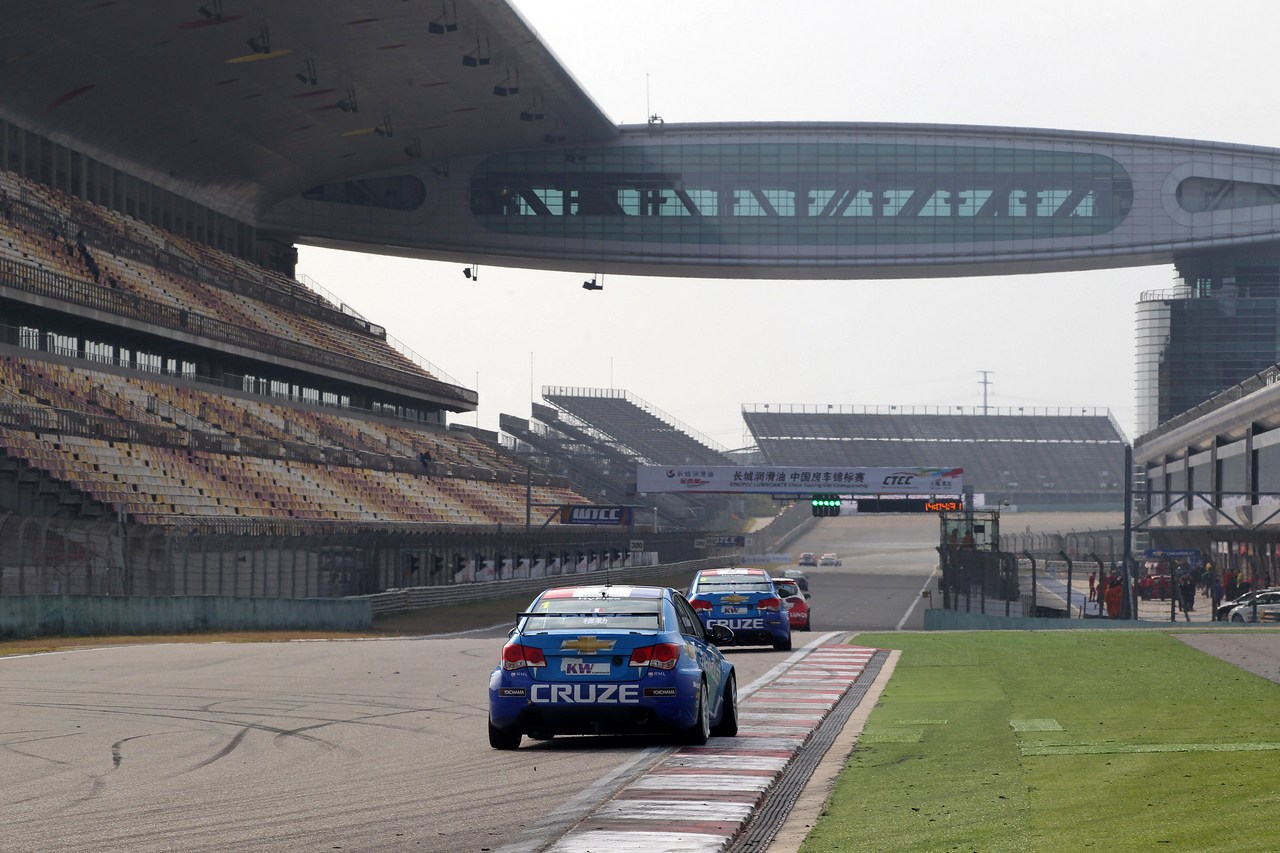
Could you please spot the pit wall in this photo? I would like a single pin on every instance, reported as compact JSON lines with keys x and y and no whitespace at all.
{"x":94,"y":615}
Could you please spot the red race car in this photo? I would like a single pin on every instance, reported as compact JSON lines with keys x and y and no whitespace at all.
{"x":797,"y":603}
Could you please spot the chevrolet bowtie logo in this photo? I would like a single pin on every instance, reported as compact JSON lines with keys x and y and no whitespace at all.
{"x":587,"y":645}
{"x":733,"y":598}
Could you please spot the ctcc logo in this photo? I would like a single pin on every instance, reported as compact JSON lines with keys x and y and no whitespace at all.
{"x":901,"y":478}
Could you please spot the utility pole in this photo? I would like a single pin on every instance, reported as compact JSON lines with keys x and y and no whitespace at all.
{"x":985,"y":383}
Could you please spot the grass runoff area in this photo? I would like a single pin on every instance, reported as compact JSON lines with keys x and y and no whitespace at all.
{"x":1072,"y":740}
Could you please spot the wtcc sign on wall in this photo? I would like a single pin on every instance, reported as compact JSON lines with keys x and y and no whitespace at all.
{"x":723,"y":479}
{"x":618,"y":516}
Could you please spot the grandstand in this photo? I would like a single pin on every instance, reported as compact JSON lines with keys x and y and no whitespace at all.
{"x":595,"y":438}
{"x":630,"y":422}
{"x":151,"y":380}
{"x":1050,"y":458}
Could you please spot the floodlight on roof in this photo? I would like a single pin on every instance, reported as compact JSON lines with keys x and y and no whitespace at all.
{"x":261,"y":43}
{"x":593,"y":283}
{"x":446,"y":22}
{"x":385,"y":128}
{"x":414,"y":149}
{"x":211,"y":11}
{"x":507,"y":87}
{"x":308,"y":75}
{"x":349,"y":104}
{"x":555,"y":135}
{"x":477,"y":57}
{"x":472,"y":272}
{"x":534,"y":112}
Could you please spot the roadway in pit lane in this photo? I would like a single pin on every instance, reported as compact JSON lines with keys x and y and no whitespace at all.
{"x":352,"y":745}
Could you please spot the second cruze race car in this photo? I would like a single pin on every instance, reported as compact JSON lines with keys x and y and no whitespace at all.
{"x":745,"y":602}
{"x":612,"y":660}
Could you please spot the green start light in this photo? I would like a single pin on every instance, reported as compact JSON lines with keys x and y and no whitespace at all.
{"x":825,"y":506}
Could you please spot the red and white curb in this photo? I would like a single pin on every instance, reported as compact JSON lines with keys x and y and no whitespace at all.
{"x":699,"y":797}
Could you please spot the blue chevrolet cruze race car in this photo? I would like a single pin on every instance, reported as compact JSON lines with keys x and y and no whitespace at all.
{"x":746,"y":602}
{"x":612,"y":660}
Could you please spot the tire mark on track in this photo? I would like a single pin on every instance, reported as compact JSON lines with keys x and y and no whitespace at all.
{"x":226,"y":750}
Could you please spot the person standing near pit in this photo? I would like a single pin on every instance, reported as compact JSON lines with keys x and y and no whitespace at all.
{"x":1114,"y":598}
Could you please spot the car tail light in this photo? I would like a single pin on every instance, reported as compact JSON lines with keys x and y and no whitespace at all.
{"x":699,"y":604}
{"x":769,"y":604}
{"x":516,"y":656}
{"x":661,"y":656}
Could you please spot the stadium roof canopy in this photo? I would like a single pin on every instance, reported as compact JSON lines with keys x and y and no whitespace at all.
{"x":241,"y":103}
{"x":446,"y":129}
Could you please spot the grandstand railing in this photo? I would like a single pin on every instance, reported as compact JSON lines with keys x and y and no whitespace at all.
{"x":30,"y":279}
{"x":858,"y":409}
{"x":396,"y":344}
{"x":11,"y":334}
{"x":43,"y":419}
{"x":1240,"y":390}
{"x":620,"y":394}
{"x":100,"y":233}
{"x":1166,"y":294}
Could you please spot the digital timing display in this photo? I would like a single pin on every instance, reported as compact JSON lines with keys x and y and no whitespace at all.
{"x":910,"y":505}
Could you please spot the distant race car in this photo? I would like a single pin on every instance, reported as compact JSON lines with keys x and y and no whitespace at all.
{"x":807,"y":559}
{"x":799,"y":613}
{"x":799,"y":577}
{"x":830,"y":560}
{"x":612,"y":660}
{"x":745,"y":602}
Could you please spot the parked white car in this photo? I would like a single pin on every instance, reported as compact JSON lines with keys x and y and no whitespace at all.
{"x":1267,"y":601}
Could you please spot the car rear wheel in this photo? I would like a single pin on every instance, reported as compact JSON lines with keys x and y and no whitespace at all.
{"x":782,"y":645}
{"x":728,"y":725}
{"x":503,"y":738}
{"x":700,"y":731}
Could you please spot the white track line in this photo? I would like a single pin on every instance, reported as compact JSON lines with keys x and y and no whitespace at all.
{"x":912,"y":608}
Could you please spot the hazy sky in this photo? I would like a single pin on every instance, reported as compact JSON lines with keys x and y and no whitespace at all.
{"x":1173,"y":68}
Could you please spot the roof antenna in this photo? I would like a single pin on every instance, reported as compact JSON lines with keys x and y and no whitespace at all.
{"x":654,"y":118}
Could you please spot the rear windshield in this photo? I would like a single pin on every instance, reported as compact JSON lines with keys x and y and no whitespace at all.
{"x":732,"y":584}
{"x":787,"y":590}
{"x":574,"y":614}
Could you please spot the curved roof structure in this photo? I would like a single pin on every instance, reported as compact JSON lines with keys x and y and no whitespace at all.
{"x":445,"y":129}
{"x":240,"y":104}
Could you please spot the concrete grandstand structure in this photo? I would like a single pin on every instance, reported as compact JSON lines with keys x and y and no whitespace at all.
{"x":149,"y":381}
{"x":1034,"y":459}
{"x":595,"y":438}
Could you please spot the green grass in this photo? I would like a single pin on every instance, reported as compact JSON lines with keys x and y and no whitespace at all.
{"x":1090,"y":741}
